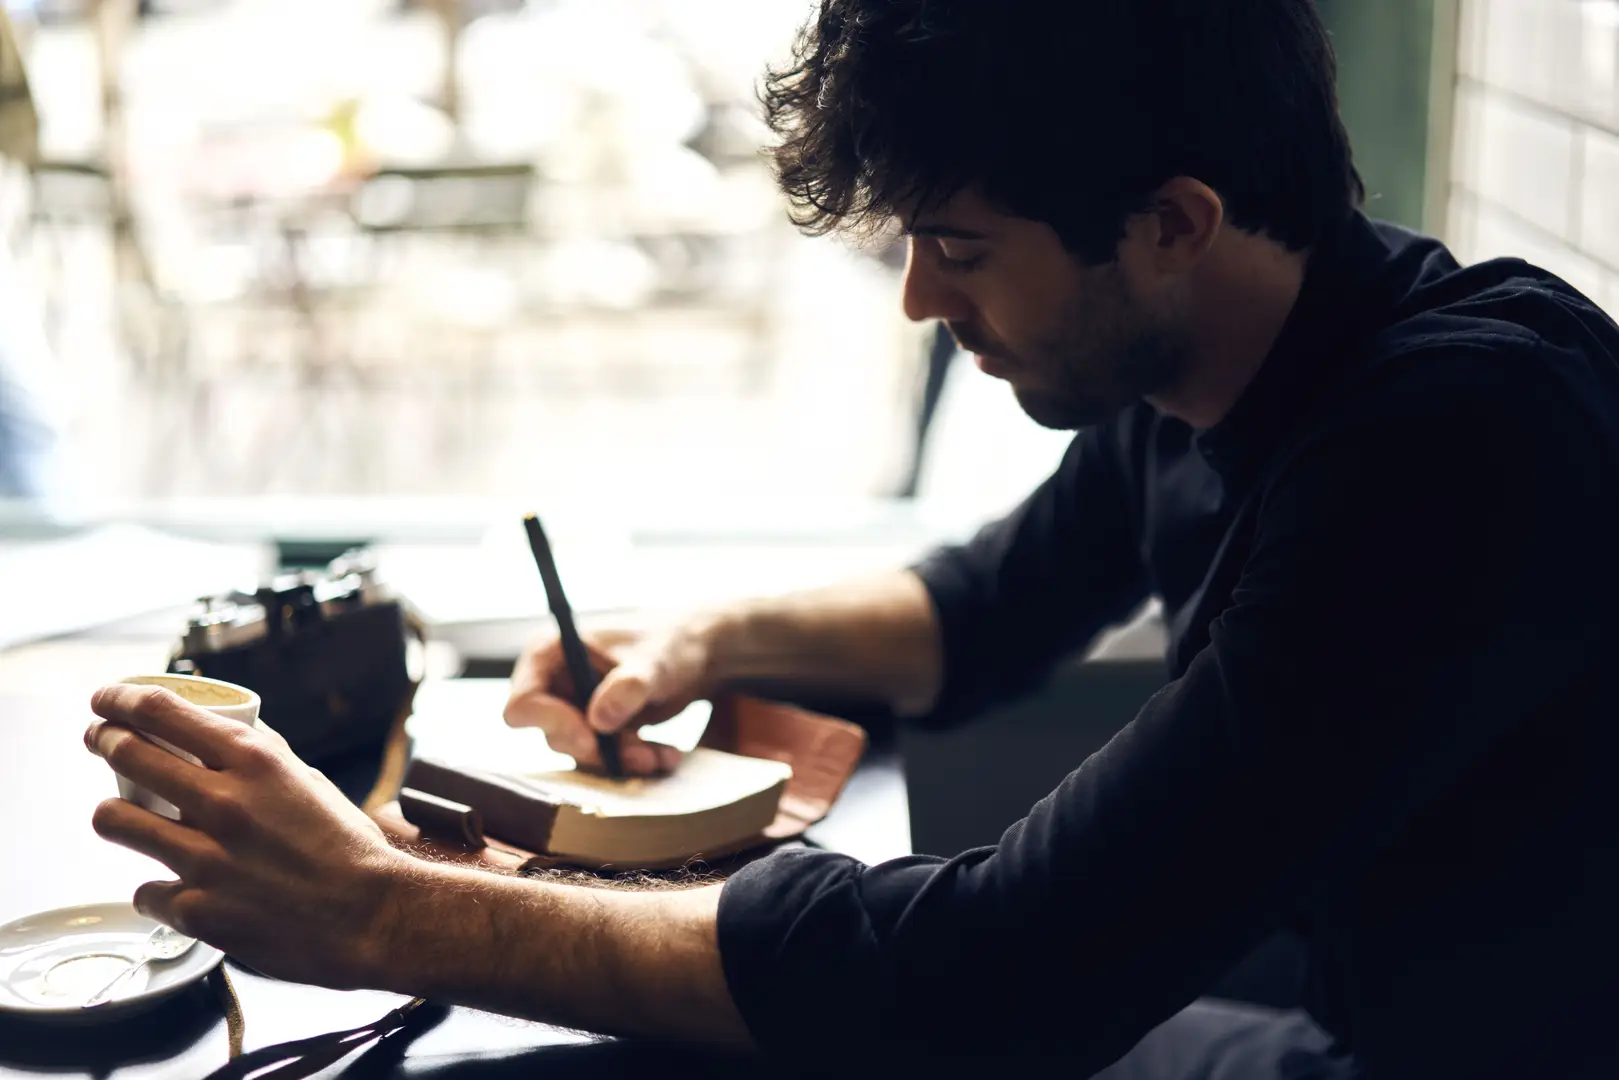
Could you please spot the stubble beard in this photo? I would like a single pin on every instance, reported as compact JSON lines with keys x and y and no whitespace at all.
{"x":1106,"y":357}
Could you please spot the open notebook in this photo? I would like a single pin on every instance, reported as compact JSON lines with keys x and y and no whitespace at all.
{"x":763,"y":772}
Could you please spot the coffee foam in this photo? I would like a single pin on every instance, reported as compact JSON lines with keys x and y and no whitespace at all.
{"x":198,"y":693}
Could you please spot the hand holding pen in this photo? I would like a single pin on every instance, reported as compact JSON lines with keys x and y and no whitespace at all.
{"x":580,"y":670}
{"x":639,"y":679}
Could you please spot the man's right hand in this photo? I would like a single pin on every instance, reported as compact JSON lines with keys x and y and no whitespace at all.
{"x":647,"y":677}
{"x":871,"y":639}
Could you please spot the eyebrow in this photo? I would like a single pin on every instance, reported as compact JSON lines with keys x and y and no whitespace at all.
{"x":943,"y":232}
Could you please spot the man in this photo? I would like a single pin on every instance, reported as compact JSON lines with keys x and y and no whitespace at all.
{"x":1377,"y":494}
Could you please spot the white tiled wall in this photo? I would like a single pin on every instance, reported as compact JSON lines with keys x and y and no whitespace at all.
{"x":1535,"y":164}
{"x":1599,"y":215}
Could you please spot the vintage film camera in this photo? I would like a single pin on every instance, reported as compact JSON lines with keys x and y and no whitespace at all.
{"x":334,"y":656}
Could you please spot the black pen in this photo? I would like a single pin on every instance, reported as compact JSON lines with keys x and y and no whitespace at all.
{"x":574,"y":653}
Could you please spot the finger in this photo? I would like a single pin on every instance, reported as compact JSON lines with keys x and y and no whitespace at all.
{"x":639,"y":757}
{"x":669,"y":757}
{"x":136,"y":758}
{"x":656,"y":712}
{"x":540,"y":708}
{"x":633,"y":695}
{"x":566,"y":733}
{"x":636,"y":756}
{"x":158,"y":900}
{"x":535,"y":664}
{"x":278,"y":743}
{"x":179,"y":848}
{"x":218,"y":742}
{"x":564,"y":725}
{"x":624,"y":692}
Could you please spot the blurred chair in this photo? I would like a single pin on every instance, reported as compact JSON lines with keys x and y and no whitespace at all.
{"x":941,"y":353}
{"x":966,"y":785}
{"x":459,"y":196}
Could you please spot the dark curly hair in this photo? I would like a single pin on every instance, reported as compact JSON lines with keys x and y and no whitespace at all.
{"x":1071,"y":112}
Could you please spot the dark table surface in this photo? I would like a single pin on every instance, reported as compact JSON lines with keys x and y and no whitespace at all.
{"x":50,"y":857}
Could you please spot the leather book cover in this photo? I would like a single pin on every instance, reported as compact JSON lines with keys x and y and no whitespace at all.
{"x":510,"y":810}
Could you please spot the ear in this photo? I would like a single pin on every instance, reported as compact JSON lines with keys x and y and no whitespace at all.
{"x":1179,"y":225}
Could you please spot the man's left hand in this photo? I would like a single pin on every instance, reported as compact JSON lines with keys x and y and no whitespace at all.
{"x":275,"y":865}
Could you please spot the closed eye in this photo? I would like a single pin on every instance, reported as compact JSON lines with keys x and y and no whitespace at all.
{"x":961,"y":266}
{"x":961,"y":263}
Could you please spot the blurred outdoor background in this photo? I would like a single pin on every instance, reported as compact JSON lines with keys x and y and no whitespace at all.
{"x":331,"y":247}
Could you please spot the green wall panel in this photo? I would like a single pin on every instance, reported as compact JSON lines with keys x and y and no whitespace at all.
{"x":1386,"y":59}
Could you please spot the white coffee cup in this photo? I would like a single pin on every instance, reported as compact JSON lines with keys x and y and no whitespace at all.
{"x":220,"y":698}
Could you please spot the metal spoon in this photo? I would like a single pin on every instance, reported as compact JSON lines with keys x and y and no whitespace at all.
{"x":164,"y":943}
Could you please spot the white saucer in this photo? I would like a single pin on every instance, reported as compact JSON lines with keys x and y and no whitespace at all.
{"x":50,"y":963}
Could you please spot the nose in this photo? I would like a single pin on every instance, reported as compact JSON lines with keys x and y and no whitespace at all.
{"x":927,"y":294}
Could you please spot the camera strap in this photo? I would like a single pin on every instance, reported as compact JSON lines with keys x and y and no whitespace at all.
{"x":391,"y":1033}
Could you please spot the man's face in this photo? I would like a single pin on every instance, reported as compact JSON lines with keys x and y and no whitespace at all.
{"x":1077,"y":343}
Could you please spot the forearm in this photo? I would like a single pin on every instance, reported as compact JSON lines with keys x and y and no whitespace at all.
{"x":873,"y":639}
{"x":616,"y":962}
